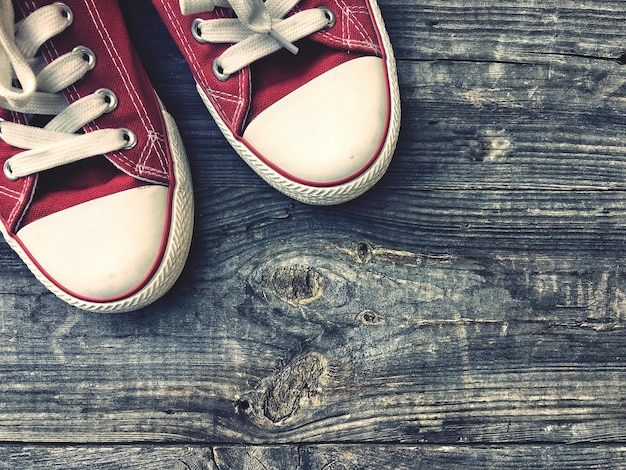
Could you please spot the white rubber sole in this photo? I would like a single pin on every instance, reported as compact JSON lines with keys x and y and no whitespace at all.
{"x":337,"y":194}
{"x":175,"y":252}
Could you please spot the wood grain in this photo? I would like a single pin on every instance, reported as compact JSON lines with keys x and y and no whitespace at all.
{"x":366,"y":344}
{"x":468,"y":312}
{"x":318,"y":457}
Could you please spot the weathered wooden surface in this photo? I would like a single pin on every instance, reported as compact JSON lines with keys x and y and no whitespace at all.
{"x":314,"y":457}
{"x":468,"y":312}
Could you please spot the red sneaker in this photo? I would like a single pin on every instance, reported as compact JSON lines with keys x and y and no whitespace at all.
{"x":96,"y":193}
{"x":320,"y":126}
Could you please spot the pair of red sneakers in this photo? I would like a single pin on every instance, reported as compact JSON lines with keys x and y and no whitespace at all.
{"x":96,"y":193}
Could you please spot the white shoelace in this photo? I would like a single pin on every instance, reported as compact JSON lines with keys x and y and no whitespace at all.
{"x":258,"y":30}
{"x":38,"y":93}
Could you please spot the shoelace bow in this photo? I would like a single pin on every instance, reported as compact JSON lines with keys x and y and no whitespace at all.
{"x":40,"y":84}
{"x":257,"y":31}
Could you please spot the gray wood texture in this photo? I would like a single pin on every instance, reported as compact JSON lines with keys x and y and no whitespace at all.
{"x":468,"y":312}
{"x":313,"y":457}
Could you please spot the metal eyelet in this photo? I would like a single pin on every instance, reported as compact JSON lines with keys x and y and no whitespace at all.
{"x":218,"y":71}
{"x":65,"y":11}
{"x":109,"y":98}
{"x":330,"y":16}
{"x":8,"y":172}
{"x":130,"y":137}
{"x":195,"y":31}
{"x":88,"y":55}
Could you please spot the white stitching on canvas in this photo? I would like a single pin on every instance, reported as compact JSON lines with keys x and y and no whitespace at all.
{"x":154,"y":139}
{"x":10,"y":193}
{"x":19,"y":196}
{"x":133,"y":93}
{"x":349,"y":17}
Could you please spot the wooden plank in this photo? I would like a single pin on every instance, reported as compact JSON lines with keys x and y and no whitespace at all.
{"x":506,"y":31}
{"x":106,"y":457}
{"x":342,"y":457}
{"x":511,"y":126}
{"x":464,"y":222}
{"x":328,"y":340}
{"x":462,"y":457}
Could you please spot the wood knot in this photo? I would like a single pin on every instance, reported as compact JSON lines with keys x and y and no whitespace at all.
{"x":364,"y":252}
{"x":297,"y":284}
{"x":369,"y":317}
{"x":294,"y":386}
{"x":243,"y":406}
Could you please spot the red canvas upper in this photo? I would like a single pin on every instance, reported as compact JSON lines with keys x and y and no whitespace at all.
{"x":99,"y":26}
{"x":248,"y":92}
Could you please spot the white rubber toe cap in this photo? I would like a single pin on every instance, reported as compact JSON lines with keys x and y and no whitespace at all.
{"x":330,"y":128}
{"x":103,"y":248}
